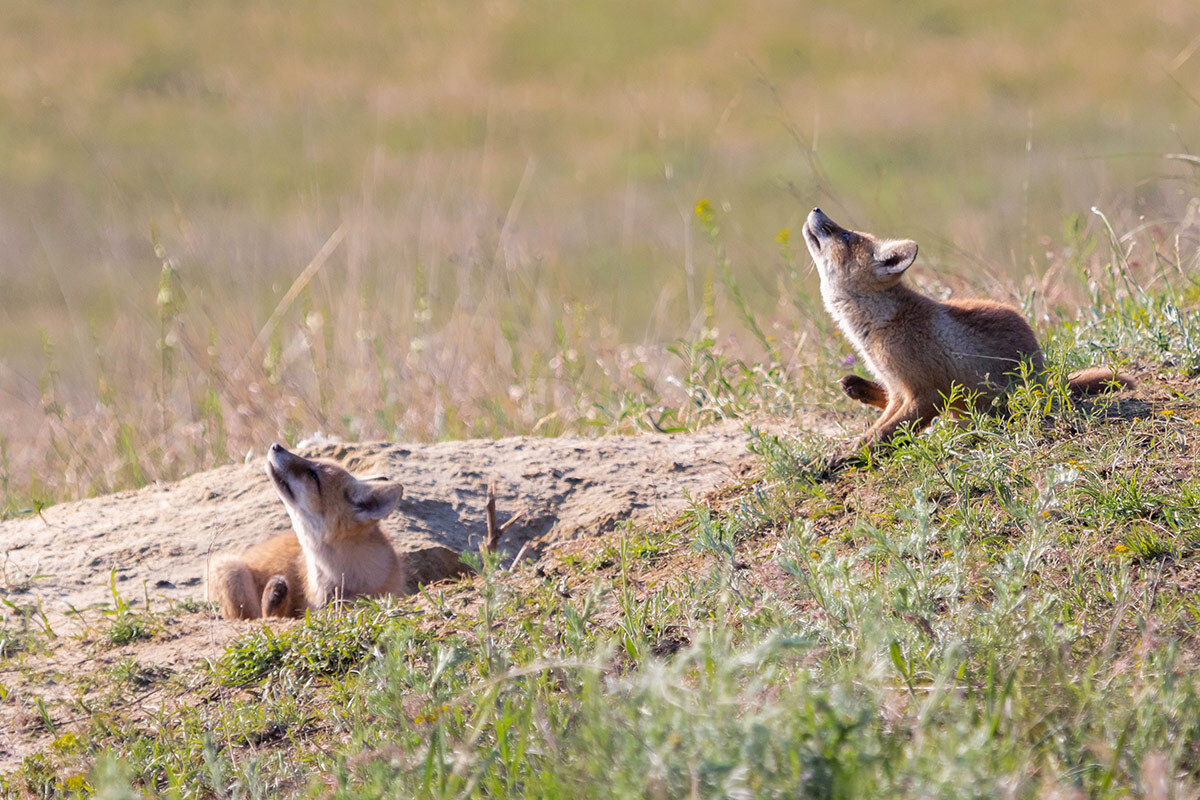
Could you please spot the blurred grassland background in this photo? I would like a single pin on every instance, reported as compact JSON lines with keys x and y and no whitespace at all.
{"x":510,"y":188}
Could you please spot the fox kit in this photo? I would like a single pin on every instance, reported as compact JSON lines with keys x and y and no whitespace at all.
{"x":336,"y":549}
{"x":917,"y":347}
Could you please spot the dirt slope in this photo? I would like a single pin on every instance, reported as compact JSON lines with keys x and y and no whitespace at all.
{"x":157,"y":539}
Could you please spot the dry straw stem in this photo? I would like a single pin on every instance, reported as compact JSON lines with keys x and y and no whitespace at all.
{"x":290,"y":296}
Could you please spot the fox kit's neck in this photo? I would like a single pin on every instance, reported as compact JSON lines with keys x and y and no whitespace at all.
{"x":340,"y":562}
{"x":862,"y":315}
{"x":859,"y":314}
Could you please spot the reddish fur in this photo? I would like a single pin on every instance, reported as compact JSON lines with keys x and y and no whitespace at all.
{"x":920,"y":348}
{"x":1095,"y":380}
{"x":340,"y":551}
{"x":238,"y":582}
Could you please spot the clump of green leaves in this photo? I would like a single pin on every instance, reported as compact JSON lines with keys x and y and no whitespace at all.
{"x":125,"y":625}
{"x":326,"y":644}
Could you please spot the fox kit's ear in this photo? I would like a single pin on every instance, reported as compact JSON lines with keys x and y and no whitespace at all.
{"x":895,"y":256}
{"x":374,"y":500}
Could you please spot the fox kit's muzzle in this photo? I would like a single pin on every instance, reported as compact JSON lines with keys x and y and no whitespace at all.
{"x":283,"y":467}
{"x":818,"y":227}
{"x":281,"y":459}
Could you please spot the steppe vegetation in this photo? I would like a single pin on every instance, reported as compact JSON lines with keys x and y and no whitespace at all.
{"x":1006,"y":608}
{"x":557,"y":218}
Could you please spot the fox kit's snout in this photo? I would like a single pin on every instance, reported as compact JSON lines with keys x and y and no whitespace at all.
{"x":919,"y":348}
{"x":855,"y":262}
{"x":335,"y":550}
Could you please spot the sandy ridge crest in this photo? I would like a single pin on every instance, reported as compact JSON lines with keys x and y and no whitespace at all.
{"x":157,"y":539}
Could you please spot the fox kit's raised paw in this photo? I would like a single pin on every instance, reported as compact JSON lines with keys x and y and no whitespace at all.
{"x":275,"y":597}
{"x":864,"y":391}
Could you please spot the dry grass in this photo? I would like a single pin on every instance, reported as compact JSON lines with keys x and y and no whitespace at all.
{"x":516,"y":187}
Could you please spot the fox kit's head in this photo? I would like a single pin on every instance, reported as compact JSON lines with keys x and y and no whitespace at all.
{"x":854,"y":262}
{"x":327,"y":503}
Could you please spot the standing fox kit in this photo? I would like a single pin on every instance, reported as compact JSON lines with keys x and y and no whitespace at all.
{"x":336,"y":549}
{"x":919,"y":348}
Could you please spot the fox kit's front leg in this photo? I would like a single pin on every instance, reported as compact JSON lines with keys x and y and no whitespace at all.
{"x":870,"y":393}
{"x":262,"y":582}
{"x":901,"y":411}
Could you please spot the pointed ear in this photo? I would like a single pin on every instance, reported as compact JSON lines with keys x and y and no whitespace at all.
{"x":894,"y":256}
{"x":372,"y":501}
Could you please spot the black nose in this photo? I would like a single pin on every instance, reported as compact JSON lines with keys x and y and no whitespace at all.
{"x":276,"y":448}
{"x":816,"y":211}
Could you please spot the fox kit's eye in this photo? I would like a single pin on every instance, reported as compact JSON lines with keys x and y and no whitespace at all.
{"x":846,"y":237}
{"x":312,"y":473}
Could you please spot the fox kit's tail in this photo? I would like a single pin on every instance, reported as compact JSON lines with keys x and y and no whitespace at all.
{"x":1095,"y":380}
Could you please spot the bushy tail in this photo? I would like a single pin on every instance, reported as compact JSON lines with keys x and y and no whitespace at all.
{"x":1095,"y":380}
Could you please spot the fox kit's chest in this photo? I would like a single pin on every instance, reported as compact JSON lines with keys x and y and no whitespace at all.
{"x":864,"y":320}
{"x":349,"y":571}
{"x":341,"y":568}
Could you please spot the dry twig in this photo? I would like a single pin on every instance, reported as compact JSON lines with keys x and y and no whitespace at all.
{"x":494,"y":530}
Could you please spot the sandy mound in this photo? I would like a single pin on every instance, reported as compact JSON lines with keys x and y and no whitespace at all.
{"x":157,"y":539}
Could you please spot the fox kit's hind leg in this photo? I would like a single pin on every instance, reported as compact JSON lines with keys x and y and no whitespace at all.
{"x":865,"y":391}
{"x":231,"y":586}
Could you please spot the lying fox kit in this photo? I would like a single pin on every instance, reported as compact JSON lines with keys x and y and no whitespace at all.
{"x":336,"y":549}
{"x":919,"y":348}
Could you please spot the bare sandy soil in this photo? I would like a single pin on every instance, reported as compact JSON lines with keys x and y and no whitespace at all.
{"x":152,"y":544}
{"x":157,"y":540}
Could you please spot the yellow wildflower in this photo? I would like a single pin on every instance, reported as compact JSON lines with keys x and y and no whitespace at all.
{"x":76,"y":783}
